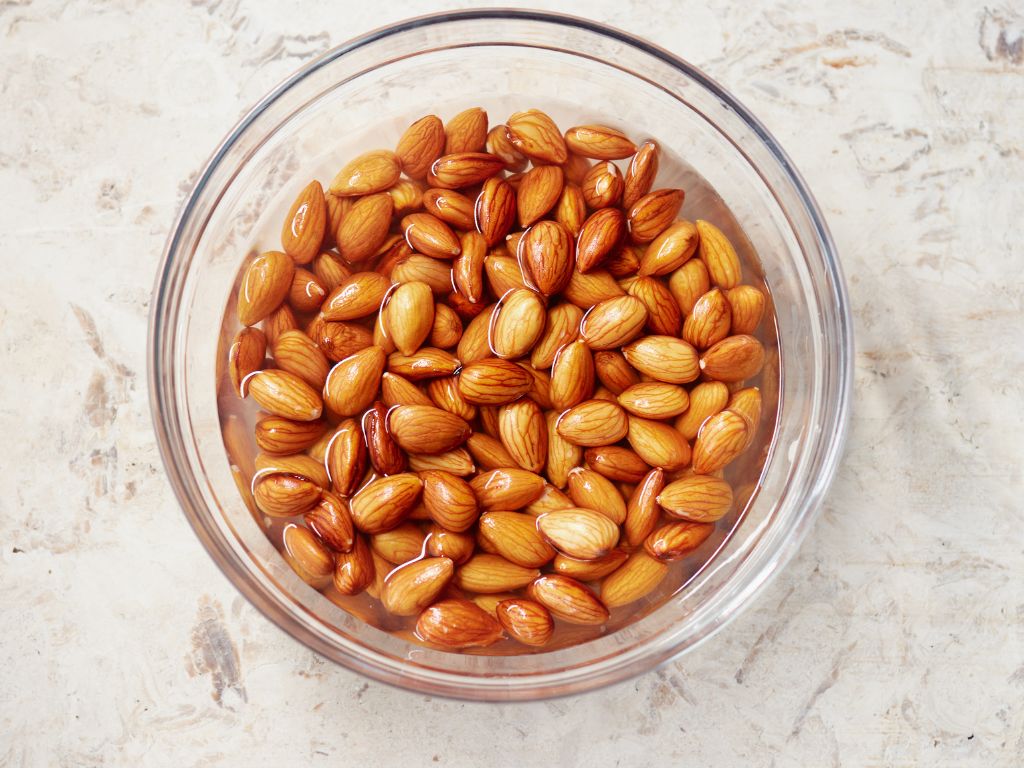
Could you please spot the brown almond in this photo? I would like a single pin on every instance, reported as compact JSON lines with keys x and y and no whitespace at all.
{"x":747,"y":402}
{"x":406,"y":196}
{"x":563,"y":456}
{"x":331,"y":521}
{"x":339,"y":340}
{"x":425,"y":429}
{"x":382,"y":504}
{"x":298,"y":464}
{"x":474,"y":346}
{"x":624,"y":262}
{"x":517,"y":324}
{"x":503,"y":274}
{"x":614,"y":372}
{"x":418,"y":268}
{"x":464,"y":169}
{"x":538,"y":192}
{"x":488,"y":452}
{"x":672,"y":248}
{"x":592,"y":288}
{"x":575,"y":168}
{"x":296,"y":353}
{"x":568,"y":599}
{"x":664,"y":317}
{"x":706,"y":399}
{"x":658,"y":444}
{"x":514,"y":536}
{"x":246,"y":357}
{"x":572,"y":376}
{"x":457,"y":547}
{"x":359,"y":296}
{"x":507,"y":488}
{"x":734,"y":358}
{"x":444,"y":393}
{"x":561,"y":327}
{"x":449,"y":500}
{"x":369,"y":173}
{"x":599,"y":142}
{"x":613,"y":322}
{"x":498,"y":143}
{"x":653,"y":213}
{"x":600,"y":235}
{"x":410,"y":588}
{"x":307,"y":555}
{"x":527,"y":621}
{"x":451,"y":207}
{"x":547,"y":256}
{"x":663,"y":358}
{"x":535,"y":135}
{"x":602,"y":186}
{"x":571,"y":209}
{"x":579,"y":533}
{"x":495,"y":210}
{"x":674,"y":541}
{"x":265,"y":285}
{"x":385,"y":455}
{"x":457,"y":461}
{"x":589,"y":570}
{"x":655,"y":400}
{"x":398,"y":390}
{"x":637,"y":578}
{"x":352,"y":384}
{"x":697,"y":498}
{"x":488,"y":573}
{"x":640,"y":175}
{"x":549,"y":500}
{"x":284,"y":495}
{"x":468,"y":269}
{"x":427,"y":234}
{"x":354,"y":570}
{"x":747,"y":304}
{"x":710,"y":320}
{"x":421,"y":144}
{"x":642,"y":511}
{"x":345,"y":457}
{"x":277,"y":322}
{"x":492,"y":381}
{"x":721,"y":439}
{"x":617,"y":463}
{"x":523,"y":432}
{"x":284,"y":436}
{"x":719,"y":256}
{"x":689,"y":283}
{"x":330,"y":271}
{"x":408,"y":316}
{"x":425,"y":363}
{"x":306,"y":293}
{"x":591,"y":490}
{"x":457,"y":624}
{"x":365,"y":228}
{"x":336,"y":208}
{"x":593,"y":423}
{"x":284,"y":394}
{"x":303,"y":230}
{"x":466,"y":132}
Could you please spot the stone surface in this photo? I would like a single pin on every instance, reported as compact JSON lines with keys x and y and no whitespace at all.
{"x":895,"y":638}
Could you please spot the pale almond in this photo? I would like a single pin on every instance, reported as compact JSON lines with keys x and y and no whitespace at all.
{"x":523,"y":432}
{"x":664,"y":358}
{"x":488,"y":452}
{"x":721,"y":439}
{"x":709,"y":321}
{"x":593,"y":423}
{"x":425,"y":429}
{"x":284,"y":495}
{"x":561,"y":327}
{"x":614,"y":372}
{"x":410,"y":588}
{"x":458,"y":547}
{"x":306,"y":293}
{"x":498,"y":143}
{"x":275,"y":434}
{"x":456,"y":461}
{"x":503,"y":273}
{"x":591,"y":490}
{"x":515,"y":537}
{"x":427,"y":234}
{"x":563,"y":456}
{"x":359,"y":296}
{"x":613,"y":322}
{"x":385,"y":502}
{"x":664,"y":317}
{"x":579,"y":533}
{"x":517,"y":323}
{"x":527,"y":621}
{"x":446,"y":329}
{"x":697,"y":498}
{"x":538,"y":192}
{"x":421,"y":144}
{"x":616,"y":463}
{"x":640,"y":174}
{"x":568,"y":599}
{"x":672,"y":248}
{"x":507,"y":488}
{"x":674,"y":541}
{"x":734,"y":358}
{"x":602,"y":186}
{"x":489,"y":573}
{"x":466,"y":132}
{"x":424,"y":269}
{"x":589,"y":570}
{"x":399,"y":545}
{"x":653,"y":213}
{"x":547,"y":256}
{"x":465,"y":169}
{"x":339,"y":340}
{"x":637,"y":578}
{"x":451,"y":207}
{"x":572,"y":375}
{"x":354,"y":570}
{"x":719,"y":256}
{"x":571,"y":210}
{"x":246,"y":357}
{"x":706,"y":399}
{"x":658,"y":444}
{"x":444,"y":393}
{"x":747,"y":304}
{"x":425,"y":363}
{"x":408,"y":316}
{"x":397,"y":390}
{"x":655,"y":400}
{"x":642,"y":512}
{"x":369,"y":173}
{"x":352,"y":384}
{"x":284,"y":394}
{"x":345,"y":457}
{"x":586,"y":290}
{"x":265,"y":285}
{"x":304,"y":226}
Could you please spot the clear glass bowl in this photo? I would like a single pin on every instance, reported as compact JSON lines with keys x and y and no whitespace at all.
{"x":361,"y":95}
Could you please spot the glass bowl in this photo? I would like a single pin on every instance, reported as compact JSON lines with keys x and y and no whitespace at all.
{"x":361,"y":95}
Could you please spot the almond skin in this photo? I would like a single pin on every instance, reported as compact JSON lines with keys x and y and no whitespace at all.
{"x":734,"y":358}
{"x":369,"y":173}
{"x":410,"y":588}
{"x":409,"y":316}
{"x":449,"y":500}
{"x":589,"y":570}
{"x":562,"y":326}
{"x":490,"y":573}
{"x":719,"y":256}
{"x":710,"y":320}
{"x":655,"y":400}
{"x":354,"y":570}
{"x":535,"y":135}
{"x":466,"y":132}
{"x":425,"y":429}
{"x":614,"y":372}
{"x":571,"y":210}
{"x":451,"y":207}
{"x":637,"y":578}
{"x":425,"y":363}
{"x":345,"y":458}
{"x":284,"y":495}
{"x":587,"y":290}
{"x":697,"y":498}
{"x":602,"y":186}
{"x":399,"y":545}
{"x":457,"y":624}
{"x":538,"y":192}
{"x":613,"y":322}
{"x":517,"y":324}
{"x":332,"y":522}
{"x":640,"y":175}
{"x":384,"y":503}
{"x":335,"y":208}
{"x":706,"y":399}
{"x":591,"y":490}
{"x":493,"y":381}
{"x":498,"y":143}
{"x":303,"y":230}
{"x":658,"y":444}
{"x":663,"y":358}
{"x":689,"y":283}
{"x":515,"y":537}
{"x":427,"y":234}
{"x":642,"y":511}
{"x":593,"y":423}
{"x":599,"y":142}
{"x":352,"y":384}
{"x":675,"y":541}
{"x":616,"y":463}
{"x":579,"y":533}
{"x":527,"y":621}
{"x":359,"y":296}
{"x":523,"y":432}
{"x":563,"y":456}
{"x":747,"y":304}
{"x":599,"y":236}
{"x":488,"y":452}
{"x":507,"y":488}
{"x":568,"y":599}
{"x":547,"y":255}
{"x":465,"y":169}
{"x":664,"y":317}
{"x":672,"y":248}
{"x":265,"y":285}
{"x":721,"y":439}
{"x":284,"y":394}
{"x":284,"y":436}
{"x":246,"y":357}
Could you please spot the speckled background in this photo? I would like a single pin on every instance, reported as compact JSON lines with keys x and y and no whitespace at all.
{"x":895,"y":638}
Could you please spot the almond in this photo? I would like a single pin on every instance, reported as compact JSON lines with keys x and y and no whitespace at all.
{"x":616,"y":463}
{"x":589,"y":570}
{"x":365,"y":228}
{"x":409,"y":316}
{"x":522,"y":430}
{"x":468,"y":270}
{"x":734,"y":358}
{"x":747,"y":304}
{"x":406,"y":196}
{"x":352,"y":384}
{"x":747,"y":403}
{"x":425,"y":429}
{"x":689,"y":283}
{"x":568,"y":599}
{"x":449,"y":500}
{"x":336,"y":209}
{"x":284,"y":394}
{"x":466,"y":132}
{"x":663,"y":314}
{"x":458,"y":547}
{"x":457,"y":461}
{"x":306,"y":293}
{"x":398,"y":390}
{"x":307,"y":555}
{"x":332,"y":522}
{"x":590,"y":490}
{"x":296,"y":353}
{"x":640,"y":175}
{"x":706,"y":399}
{"x":465,"y":169}
{"x":330,"y":271}
{"x":488,"y":452}
{"x":642,"y":512}
{"x":354,"y":570}
{"x":658,"y":444}
{"x":444,"y":393}
{"x":303,"y":230}
{"x":284,"y":495}
{"x":383,"y":503}
{"x":503,"y":274}
{"x":451,"y":207}
{"x":709,"y":321}
{"x":614,"y":372}
{"x":563,"y":456}
{"x":425,"y":363}
{"x":246,"y":357}
{"x":599,"y":142}
{"x":385,"y":455}
{"x":495,"y":210}
{"x":369,"y":173}
{"x":637,"y":578}
{"x":547,"y":256}
{"x":359,"y":296}
{"x":613,"y":322}
{"x":549,"y":500}
{"x":264,"y":286}
{"x":421,"y":144}
{"x":498,"y":143}
{"x":672,"y":248}
{"x":410,"y":588}
{"x":561,"y":327}
{"x":430,"y":236}
{"x":572,"y":376}
{"x":298,"y":464}
{"x":538,"y":192}
{"x":507,"y":488}
{"x":277,"y":322}
{"x":457,"y":624}
{"x":424,"y":269}
{"x":535,"y":135}
{"x":284,"y":436}
{"x":653,"y":213}
{"x":663,"y":358}
{"x":718,"y":255}
{"x":721,"y":439}
{"x":527,"y":621}
{"x":624,"y":262}
{"x":492,"y":381}
{"x":593,"y":423}
{"x":599,"y":236}
{"x":517,"y":323}
{"x":489,"y":420}
{"x":587,"y":290}
{"x":602,"y":186}
{"x":515,"y":537}
{"x":340,"y":340}
{"x":571,"y":210}
{"x":579,"y":533}
{"x":675,"y":541}
{"x":655,"y":400}
{"x":345,"y":458}
{"x":697,"y":498}
{"x":489,"y":573}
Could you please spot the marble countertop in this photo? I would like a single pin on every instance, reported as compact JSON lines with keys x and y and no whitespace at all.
{"x":895,"y":638}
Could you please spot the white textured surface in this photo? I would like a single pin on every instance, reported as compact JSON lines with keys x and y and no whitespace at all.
{"x":896,"y":637}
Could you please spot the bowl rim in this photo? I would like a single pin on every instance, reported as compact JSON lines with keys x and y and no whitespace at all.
{"x":168,"y":438}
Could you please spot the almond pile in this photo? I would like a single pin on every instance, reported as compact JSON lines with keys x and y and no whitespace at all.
{"x":498,"y":381}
